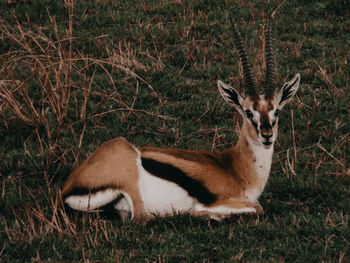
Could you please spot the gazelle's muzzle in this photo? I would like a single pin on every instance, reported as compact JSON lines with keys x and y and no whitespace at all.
{"x":266,"y":132}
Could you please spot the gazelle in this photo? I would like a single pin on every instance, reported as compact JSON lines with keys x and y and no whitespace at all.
{"x":145,"y":182}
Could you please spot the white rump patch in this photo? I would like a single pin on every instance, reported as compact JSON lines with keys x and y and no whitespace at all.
{"x":93,"y":201}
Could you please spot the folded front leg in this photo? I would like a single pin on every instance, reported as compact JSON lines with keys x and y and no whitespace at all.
{"x":225,"y":208}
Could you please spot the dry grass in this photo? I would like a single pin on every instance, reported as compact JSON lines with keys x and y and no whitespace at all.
{"x":59,"y":78}
{"x":153,"y":81}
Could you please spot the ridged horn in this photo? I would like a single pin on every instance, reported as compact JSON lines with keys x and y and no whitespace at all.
{"x":269,"y":62}
{"x":247,"y":70}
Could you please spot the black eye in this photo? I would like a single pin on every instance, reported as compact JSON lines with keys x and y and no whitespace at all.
{"x":277,"y":112}
{"x":249,"y":114}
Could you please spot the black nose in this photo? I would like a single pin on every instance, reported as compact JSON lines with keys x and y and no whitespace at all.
{"x":267,"y":136}
{"x":266,"y":130}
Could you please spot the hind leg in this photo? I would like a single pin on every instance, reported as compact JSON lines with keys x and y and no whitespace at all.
{"x":131,"y":208}
{"x":139,"y":213}
{"x":90,"y":200}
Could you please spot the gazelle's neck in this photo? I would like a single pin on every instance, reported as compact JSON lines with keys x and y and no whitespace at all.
{"x":256,"y":161}
{"x":256,"y":154}
{"x":262,"y":158}
{"x":260,"y":154}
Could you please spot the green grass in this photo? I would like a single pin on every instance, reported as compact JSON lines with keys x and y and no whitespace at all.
{"x":78,"y":75}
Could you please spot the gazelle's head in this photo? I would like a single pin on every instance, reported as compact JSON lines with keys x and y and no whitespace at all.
{"x":260,"y":112}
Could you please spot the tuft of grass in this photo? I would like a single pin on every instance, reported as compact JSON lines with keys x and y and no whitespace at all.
{"x":74,"y":74}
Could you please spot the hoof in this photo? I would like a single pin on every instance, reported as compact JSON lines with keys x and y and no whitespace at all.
{"x":259,"y":209}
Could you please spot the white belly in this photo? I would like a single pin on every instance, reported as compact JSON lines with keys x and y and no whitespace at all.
{"x":162,"y":197}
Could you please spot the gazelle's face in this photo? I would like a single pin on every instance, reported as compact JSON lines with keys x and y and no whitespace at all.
{"x":260,"y":114}
{"x":261,"y":120}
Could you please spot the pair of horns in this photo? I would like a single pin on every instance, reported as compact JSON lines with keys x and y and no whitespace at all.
{"x":247,"y":70}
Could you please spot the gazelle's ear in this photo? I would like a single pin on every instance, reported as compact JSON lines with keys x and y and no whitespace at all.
{"x":288,"y":91}
{"x":231,"y":96}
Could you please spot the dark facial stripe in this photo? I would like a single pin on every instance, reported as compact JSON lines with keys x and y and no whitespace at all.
{"x":194,"y":188}
{"x":255,"y":125}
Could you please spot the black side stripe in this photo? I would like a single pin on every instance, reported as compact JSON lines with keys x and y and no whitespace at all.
{"x":194,"y":188}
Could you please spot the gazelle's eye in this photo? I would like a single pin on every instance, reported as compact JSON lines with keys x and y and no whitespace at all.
{"x":277,"y":112}
{"x":249,"y":114}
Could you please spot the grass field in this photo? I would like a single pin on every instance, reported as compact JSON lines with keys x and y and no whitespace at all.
{"x":75,"y":74}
